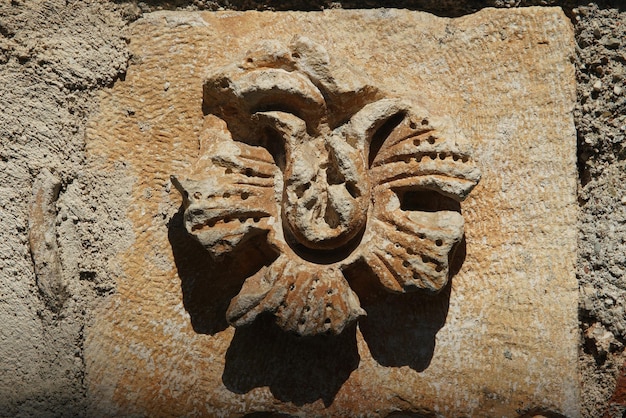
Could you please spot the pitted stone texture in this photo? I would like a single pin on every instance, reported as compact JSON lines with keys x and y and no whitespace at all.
{"x":161,"y":346}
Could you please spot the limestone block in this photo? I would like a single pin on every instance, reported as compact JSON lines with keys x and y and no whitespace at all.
{"x":325,"y":256}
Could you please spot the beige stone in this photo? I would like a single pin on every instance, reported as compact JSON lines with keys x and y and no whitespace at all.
{"x":334,"y":179}
{"x":353,"y":226}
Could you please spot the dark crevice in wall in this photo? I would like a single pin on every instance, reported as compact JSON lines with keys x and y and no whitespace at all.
{"x":442,"y":8}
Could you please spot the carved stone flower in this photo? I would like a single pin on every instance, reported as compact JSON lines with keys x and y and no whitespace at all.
{"x":316,"y":160}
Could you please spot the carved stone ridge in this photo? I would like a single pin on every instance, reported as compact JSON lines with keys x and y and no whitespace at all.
{"x":312,"y":157}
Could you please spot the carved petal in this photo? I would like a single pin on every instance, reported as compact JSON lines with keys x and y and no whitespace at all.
{"x":419,"y":176}
{"x":411,"y":250}
{"x":346,"y":89}
{"x":419,"y":155}
{"x":235,"y":96}
{"x":306,"y":299}
{"x":234,"y":202}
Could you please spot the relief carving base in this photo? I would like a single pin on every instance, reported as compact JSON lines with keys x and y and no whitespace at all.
{"x":312,"y":157}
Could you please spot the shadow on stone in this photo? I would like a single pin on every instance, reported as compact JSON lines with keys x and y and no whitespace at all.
{"x":208,"y":285}
{"x":296,"y":369}
{"x":402,"y":414}
{"x":541,"y":412}
{"x":400,"y":329}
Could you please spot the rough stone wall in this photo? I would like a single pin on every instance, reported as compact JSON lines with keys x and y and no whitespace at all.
{"x":600,"y":118}
{"x":54,"y":56}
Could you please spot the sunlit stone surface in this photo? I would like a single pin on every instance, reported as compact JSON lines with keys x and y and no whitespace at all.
{"x":497,"y":336}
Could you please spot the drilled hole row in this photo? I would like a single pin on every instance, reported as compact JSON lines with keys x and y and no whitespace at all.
{"x":431,"y":140}
{"x":435,"y":155}
{"x":413,"y":124}
{"x":228,"y":219}
{"x":307,"y":308}
{"x":292,"y":287}
{"x":416,"y":275}
{"x":425,"y":260}
{"x":226,"y":195}
{"x":248,"y":172}
{"x":438,"y":268}
{"x":409,"y":250}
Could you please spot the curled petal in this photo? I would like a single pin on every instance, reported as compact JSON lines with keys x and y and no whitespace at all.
{"x":306,"y":299}
{"x":346,"y":88}
{"x":235,"y":204}
{"x":412,"y":249}
{"x":420,"y":175}
{"x":235,"y":96}
{"x":418,"y":154}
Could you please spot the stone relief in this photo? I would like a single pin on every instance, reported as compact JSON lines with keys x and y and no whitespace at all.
{"x":312,"y":157}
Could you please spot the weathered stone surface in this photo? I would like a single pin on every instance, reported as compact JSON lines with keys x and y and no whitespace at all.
{"x":161,"y":344}
{"x":312,"y":164}
{"x":43,"y":241}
